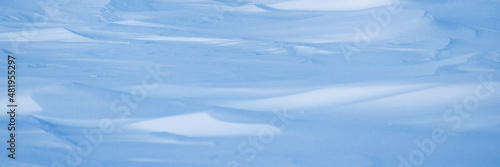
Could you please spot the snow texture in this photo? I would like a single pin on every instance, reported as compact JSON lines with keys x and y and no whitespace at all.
{"x":278,"y":83}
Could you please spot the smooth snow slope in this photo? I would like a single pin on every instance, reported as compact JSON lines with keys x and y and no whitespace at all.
{"x":222,"y":83}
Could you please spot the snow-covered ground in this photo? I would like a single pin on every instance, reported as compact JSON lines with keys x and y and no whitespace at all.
{"x":278,"y":83}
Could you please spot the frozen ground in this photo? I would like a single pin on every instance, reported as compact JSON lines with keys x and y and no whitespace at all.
{"x":254,"y":83}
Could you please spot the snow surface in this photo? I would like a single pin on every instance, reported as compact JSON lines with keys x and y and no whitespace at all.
{"x":253,"y":82}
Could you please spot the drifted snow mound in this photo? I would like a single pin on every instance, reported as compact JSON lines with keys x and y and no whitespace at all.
{"x":199,"y":125}
{"x":480,"y":62}
{"x":42,"y":12}
{"x":330,"y":5}
{"x":107,"y":13}
{"x":234,"y":3}
{"x":135,"y":6}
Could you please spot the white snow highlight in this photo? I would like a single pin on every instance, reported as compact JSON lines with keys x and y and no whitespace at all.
{"x":199,"y":125}
{"x":330,"y":5}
